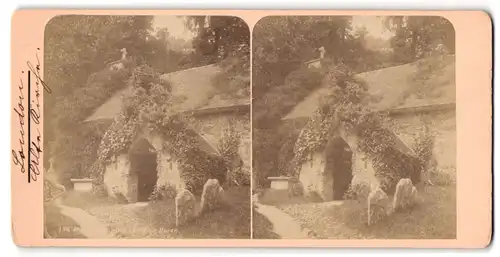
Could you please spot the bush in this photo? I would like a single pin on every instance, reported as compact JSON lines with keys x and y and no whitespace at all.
{"x":228,"y":148}
{"x":392,"y":166}
{"x":297,"y":189}
{"x":198,"y":167}
{"x":99,"y":191}
{"x":238,"y":177}
{"x":424,"y":146}
{"x":441,"y":178}
{"x":163,"y":193}
{"x":358,"y":191}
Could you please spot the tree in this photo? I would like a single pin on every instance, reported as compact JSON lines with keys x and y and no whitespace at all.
{"x":77,"y":46}
{"x":224,"y":40}
{"x":158,"y":53}
{"x":218,"y":37}
{"x":78,"y":53}
{"x":366,"y":52}
{"x":280,"y":80}
{"x":78,"y":50}
{"x":80,"y":45}
{"x":419,"y":36}
{"x":282,"y":44}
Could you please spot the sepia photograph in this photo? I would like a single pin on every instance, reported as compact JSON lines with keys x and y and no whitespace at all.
{"x":161,"y":128}
{"x":147,"y":131}
{"x":354,"y":128}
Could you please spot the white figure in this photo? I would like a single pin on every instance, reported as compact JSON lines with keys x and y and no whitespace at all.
{"x":124,"y":53}
{"x":322,"y":52}
{"x":118,"y":65}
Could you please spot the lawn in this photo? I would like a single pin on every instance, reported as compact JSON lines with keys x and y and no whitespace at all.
{"x":435,"y":218}
{"x":157,"y":219}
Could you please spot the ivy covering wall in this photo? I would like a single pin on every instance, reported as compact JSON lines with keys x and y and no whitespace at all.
{"x":346,"y":106}
{"x":148,"y":106}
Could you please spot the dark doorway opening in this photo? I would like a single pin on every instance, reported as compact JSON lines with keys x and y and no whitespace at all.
{"x":144,"y":166}
{"x":339,"y":163}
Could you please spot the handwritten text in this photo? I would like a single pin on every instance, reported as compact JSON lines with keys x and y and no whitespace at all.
{"x":34,"y":117}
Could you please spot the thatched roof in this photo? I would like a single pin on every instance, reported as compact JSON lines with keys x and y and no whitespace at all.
{"x":394,"y":88}
{"x":194,"y":85}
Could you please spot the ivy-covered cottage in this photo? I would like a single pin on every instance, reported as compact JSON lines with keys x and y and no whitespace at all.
{"x":416,"y":99}
{"x":149,"y":162}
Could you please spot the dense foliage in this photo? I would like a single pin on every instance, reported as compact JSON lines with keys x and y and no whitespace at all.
{"x":418,"y":36}
{"x":218,"y":37}
{"x":345,"y":106}
{"x":282,"y":45}
{"x":225,"y":41}
{"x":280,"y":80}
{"x":81,"y":48}
{"x":77,"y":143}
{"x":149,"y":106}
{"x":233,"y":81}
{"x":166,"y":53}
{"x":424,"y":147}
{"x":271,"y":107}
{"x":77,"y":54}
{"x":228,"y":148}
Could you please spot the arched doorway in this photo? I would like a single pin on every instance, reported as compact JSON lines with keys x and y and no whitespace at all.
{"x":143,"y":167}
{"x":339,"y":165}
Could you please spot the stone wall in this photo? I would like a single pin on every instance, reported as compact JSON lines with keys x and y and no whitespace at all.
{"x":316,"y":177}
{"x":407,"y":127}
{"x":118,"y":175}
{"x":363,"y":171}
{"x":312,"y":175}
{"x":212,"y":127}
{"x":169,"y":173}
{"x":442,"y":126}
{"x":118,"y":178}
{"x":168,"y":170}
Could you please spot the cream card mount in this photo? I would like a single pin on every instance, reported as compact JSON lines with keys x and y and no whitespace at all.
{"x":244,"y":128}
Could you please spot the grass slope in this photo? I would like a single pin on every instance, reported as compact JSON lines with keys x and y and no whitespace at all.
{"x":434,"y":219}
{"x":157,"y":220}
